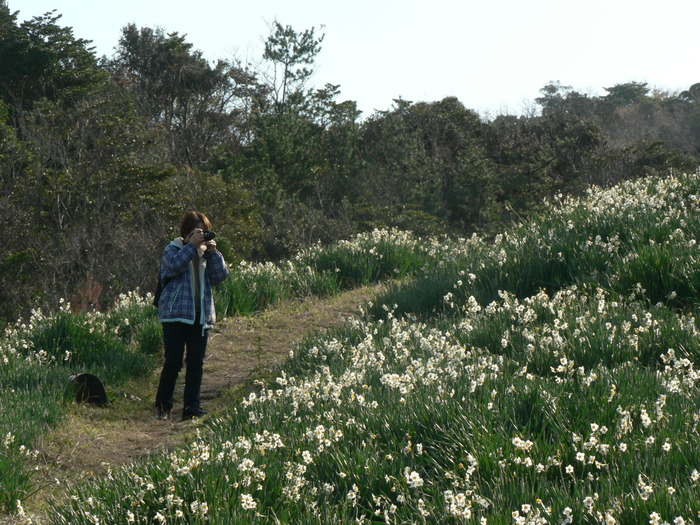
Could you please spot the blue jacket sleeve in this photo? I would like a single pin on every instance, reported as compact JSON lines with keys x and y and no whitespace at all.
{"x":216,"y":271}
{"x":176,"y":260}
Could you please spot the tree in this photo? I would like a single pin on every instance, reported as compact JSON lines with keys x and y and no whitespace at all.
{"x":289,"y":53}
{"x":43,"y":60}
{"x":301,"y":153}
{"x":197,"y":103}
{"x":538,"y":156}
{"x":553,"y":98}
{"x":15,"y":259}
{"x":692,"y":94}
{"x":563,"y":100}
{"x":336,"y":178}
{"x":95,"y":177}
{"x":289,"y":121}
{"x":627,"y":94}
{"x":425,"y":167}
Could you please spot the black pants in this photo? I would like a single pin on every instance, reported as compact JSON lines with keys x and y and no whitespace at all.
{"x":176,"y":337}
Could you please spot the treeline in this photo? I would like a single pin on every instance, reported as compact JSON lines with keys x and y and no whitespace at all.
{"x":100,"y":156}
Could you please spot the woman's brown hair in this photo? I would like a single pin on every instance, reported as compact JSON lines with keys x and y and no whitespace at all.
{"x":190,"y":220}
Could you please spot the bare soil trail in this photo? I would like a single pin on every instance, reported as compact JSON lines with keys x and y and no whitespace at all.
{"x":240,"y":350}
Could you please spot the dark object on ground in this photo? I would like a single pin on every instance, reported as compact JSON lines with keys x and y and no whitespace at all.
{"x":162,"y":413}
{"x":89,"y":389}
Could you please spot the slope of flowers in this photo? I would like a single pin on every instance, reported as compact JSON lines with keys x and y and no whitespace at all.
{"x":37,"y":357}
{"x":575,"y":404}
{"x":638,"y":232}
{"x":323,"y":270}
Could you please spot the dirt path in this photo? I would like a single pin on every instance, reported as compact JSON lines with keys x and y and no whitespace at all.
{"x":240,"y":350}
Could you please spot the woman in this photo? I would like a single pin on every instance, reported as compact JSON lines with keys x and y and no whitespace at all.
{"x":190,"y":267}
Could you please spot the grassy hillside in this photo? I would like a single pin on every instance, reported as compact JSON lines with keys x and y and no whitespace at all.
{"x":547,"y":376}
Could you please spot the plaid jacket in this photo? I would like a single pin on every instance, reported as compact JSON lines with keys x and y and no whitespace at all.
{"x":177,"y":299}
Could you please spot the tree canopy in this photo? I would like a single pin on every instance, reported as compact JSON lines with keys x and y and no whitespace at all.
{"x":42,"y":59}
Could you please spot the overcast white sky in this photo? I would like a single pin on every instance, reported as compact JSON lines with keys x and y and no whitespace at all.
{"x":494,"y":55}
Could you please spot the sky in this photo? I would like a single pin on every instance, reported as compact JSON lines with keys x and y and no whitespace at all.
{"x":493,"y":55}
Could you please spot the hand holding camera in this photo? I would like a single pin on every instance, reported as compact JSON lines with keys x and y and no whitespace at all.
{"x":199,"y":236}
{"x":209,"y":240}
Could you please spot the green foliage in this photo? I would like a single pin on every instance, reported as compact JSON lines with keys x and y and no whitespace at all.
{"x":375,"y":257}
{"x":321,"y":271}
{"x":175,"y":87}
{"x":250,"y":290}
{"x":43,"y":60}
{"x":33,"y":400}
{"x":39,"y":355}
{"x":573,"y":244}
{"x":149,"y":336}
{"x":69,"y":338}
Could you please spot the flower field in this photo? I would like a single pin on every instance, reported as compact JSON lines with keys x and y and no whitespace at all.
{"x":36,"y":360}
{"x":545,"y":376}
{"x":323,"y":270}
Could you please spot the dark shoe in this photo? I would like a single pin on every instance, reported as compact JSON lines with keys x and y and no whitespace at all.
{"x":189,"y":413}
{"x":162,"y":413}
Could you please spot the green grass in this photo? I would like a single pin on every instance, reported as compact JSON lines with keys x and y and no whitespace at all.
{"x":37,"y":359}
{"x":637,"y":233}
{"x":323,"y":271}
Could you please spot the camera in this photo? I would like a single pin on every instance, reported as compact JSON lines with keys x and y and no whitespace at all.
{"x":209,"y":236}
